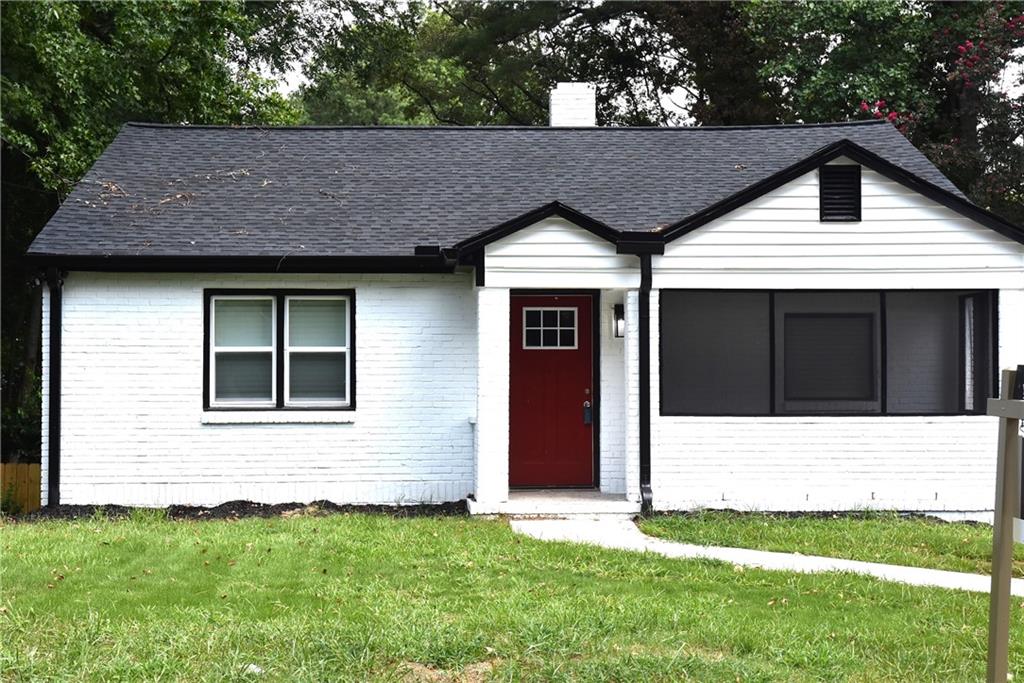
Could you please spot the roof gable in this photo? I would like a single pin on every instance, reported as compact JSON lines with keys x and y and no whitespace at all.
{"x":851,"y":150}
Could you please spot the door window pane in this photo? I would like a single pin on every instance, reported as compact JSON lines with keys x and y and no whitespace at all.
{"x":549,"y":328}
{"x":317,"y":322}
{"x":244,"y":376}
{"x":317,"y":376}
{"x":243,"y":322}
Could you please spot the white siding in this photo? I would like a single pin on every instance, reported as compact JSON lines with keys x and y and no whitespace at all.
{"x":830,"y":463}
{"x":904,"y":241}
{"x":133,"y":382}
{"x":556,"y":253}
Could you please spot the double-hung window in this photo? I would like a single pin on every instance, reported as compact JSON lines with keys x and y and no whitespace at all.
{"x":280,"y":350}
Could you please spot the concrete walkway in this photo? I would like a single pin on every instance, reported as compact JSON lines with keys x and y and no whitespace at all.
{"x":623,"y":534}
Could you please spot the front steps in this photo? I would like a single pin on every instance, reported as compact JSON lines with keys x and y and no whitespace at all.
{"x":558,"y":504}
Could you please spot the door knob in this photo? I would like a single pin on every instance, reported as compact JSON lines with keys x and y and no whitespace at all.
{"x":588,"y":413}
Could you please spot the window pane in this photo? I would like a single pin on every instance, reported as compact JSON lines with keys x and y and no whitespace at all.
{"x":551,"y":338}
{"x":243,"y":322}
{"x":317,"y":376}
{"x":243,"y":376}
{"x":533,"y":318}
{"x":550,"y":318}
{"x":567,"y":338}
{"x":922,"y":351}
{"x":715,"y":353}
{"x":317,"y":322}
{"x":829,"y":356}
{"x":533,"y":337}
{"x":566,"y":318}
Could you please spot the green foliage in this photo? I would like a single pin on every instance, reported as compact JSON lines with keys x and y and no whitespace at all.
{"x":9,"y":504}
{"x":72,"y":74}
{"x":367,"y":598}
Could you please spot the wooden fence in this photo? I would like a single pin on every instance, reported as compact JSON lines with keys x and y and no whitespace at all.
{"x":19,"y":487}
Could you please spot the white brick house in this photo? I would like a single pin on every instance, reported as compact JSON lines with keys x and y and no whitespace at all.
{"x":789,"y":317}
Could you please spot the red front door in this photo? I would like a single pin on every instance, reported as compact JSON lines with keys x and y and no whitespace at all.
{"x":551,"y":402}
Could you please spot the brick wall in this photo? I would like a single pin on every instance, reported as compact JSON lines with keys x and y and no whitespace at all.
{"x":132,"y":398}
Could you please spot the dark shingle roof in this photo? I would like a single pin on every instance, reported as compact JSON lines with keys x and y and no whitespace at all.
{"x":201,"y":191}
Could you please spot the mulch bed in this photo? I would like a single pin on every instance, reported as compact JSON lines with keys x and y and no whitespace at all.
{"x":237,"y":509}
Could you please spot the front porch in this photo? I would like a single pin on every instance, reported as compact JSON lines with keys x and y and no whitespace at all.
{"x":604,"y":406}
{"x":558,"y":503}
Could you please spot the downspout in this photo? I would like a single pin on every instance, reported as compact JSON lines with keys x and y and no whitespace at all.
{"x":646,"y":495}
{"x":55,"y":283}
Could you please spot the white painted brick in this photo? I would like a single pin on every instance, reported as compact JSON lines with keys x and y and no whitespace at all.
{"x":493,"y":306}
{"x":132,"y":397}
{"x":612,"y":407}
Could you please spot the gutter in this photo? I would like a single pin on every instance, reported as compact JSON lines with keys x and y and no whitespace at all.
{"x":425,"y":260}
{"x":55,"y":283}
{"x":646,"y":494}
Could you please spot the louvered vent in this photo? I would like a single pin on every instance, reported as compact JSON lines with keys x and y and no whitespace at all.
{"x":840,"y":192}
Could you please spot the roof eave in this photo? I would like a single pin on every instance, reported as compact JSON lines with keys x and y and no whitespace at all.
{"x":434,"y":263}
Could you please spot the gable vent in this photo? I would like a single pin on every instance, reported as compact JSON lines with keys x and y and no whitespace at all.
{"x":840,"y":192}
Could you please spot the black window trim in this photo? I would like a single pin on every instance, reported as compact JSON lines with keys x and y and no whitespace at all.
{"x":279,"y":295}
{"x":840,"y":173}
{"x":993,"y":380}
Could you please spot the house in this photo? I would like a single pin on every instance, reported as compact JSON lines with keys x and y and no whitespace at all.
{"x":796,"y":317}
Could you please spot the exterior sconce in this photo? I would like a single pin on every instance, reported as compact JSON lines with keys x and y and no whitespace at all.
{"x":619,"y":321}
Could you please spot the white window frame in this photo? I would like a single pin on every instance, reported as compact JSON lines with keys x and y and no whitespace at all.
{"x":289,"y":402}
{"x":214,"y":350}
{"x":575,"y":328}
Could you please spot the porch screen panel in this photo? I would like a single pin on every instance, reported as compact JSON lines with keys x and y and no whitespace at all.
{"x":923,"y":351}
{"x":715,"y":353}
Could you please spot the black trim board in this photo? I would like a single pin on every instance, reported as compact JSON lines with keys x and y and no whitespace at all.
{"x":279,"y":295}
{"x":851,"y":150}
{"x":285,"y":263}
{"x":595,"y":372}
{"x":530,"y":217}
{"x":55,"y":283}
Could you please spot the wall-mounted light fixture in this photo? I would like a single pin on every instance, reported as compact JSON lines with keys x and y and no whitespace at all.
{"x":619,"y":321}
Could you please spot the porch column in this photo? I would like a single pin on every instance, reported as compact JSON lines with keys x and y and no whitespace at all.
{"x":492,"y":416}
{"x":632,"y":370}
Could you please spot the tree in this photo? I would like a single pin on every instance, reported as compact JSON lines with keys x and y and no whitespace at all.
{"x":72,"y":74}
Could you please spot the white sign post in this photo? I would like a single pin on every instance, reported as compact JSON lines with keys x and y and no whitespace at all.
{"x":1007,"y":526}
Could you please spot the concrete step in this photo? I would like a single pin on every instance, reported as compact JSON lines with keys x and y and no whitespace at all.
{"x":559,"y":504}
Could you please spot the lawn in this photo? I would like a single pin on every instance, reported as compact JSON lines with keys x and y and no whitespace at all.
{"x":359,"y":597}
{"x":870,"y":536}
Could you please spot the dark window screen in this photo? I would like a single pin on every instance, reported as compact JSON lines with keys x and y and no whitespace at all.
{"x":922,"y":352}
{"x":715,"y":353}
{"x":829,"y":356}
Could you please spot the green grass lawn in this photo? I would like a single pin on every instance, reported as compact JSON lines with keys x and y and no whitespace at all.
{"x":356,"y":597}
{"x":873,"y":537}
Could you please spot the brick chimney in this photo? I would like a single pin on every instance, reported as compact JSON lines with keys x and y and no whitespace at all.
{"x":574,"y":104}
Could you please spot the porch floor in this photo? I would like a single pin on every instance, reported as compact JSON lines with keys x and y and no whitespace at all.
{"x":563,"y":503}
